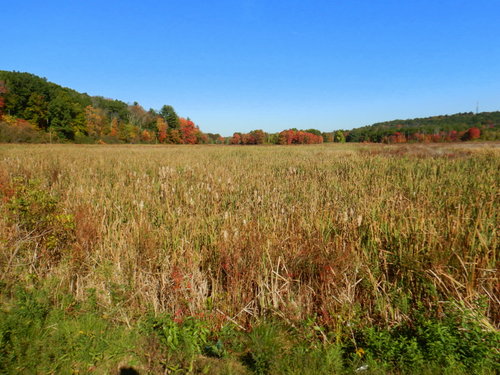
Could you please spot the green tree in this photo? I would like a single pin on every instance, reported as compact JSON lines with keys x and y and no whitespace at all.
{"x":37,"y":110}
{"x":339,"y":136}
{"x":170,"y":116}
{"x":64,"y":115}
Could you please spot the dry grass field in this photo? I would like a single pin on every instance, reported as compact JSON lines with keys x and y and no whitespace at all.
{"x":348,"y":237}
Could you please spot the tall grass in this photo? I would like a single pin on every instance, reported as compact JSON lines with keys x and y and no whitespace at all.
{"x":355,"y":236}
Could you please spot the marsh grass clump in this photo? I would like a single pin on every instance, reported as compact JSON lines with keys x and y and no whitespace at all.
{"x":354,"y":238}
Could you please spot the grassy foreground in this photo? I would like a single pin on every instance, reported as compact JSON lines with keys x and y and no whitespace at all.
{"x":326,"y":259}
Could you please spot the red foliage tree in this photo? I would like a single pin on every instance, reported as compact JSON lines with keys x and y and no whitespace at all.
{"x":397,"y":137}
{"x":471,"y":134}
{"x":189,"y":131}
{"x":288,"y":137}
{"x":436,"y":138}
{"x":451,"y":136}
{"x":247,"y":139}
{"x":418,"y":137}
{"x":255,"y":137}
{"x":235,"y":139}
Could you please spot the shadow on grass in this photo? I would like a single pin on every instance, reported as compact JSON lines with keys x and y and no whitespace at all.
{"x":128,"y":371}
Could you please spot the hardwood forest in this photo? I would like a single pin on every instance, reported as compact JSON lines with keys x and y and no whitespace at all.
{"x":37,"y":111}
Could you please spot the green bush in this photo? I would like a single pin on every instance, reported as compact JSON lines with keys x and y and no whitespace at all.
{"x":23,"y":133}
{"x":456,"y":343}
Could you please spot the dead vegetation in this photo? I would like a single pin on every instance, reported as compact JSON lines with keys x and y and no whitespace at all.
{"x":231,"y":234}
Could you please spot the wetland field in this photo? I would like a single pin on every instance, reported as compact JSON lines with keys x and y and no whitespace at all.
{"x":314,"y":259}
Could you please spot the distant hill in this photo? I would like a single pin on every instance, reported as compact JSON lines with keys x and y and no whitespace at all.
{"x":436,"y":128}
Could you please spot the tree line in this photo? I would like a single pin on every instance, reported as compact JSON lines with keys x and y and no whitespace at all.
{"x":35,"y":110}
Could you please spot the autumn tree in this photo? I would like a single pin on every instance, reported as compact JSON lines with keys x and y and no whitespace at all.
{"x":452,"y":136}
{"x":235,"y":139}
{"x":286,"y":137}
{"x":396,"y":137}
{"x":188,"y":131}
{"x":161,"y":127}
{"x":258,"y":136}
{"x":146,"y":136}
{"x":314,"y":131}
{"x":114,"y":130}
{"x":292,"y":136}
{"x":95,"y":121}
{"x":471,"y":134}
{"x":137,"y":116}
{"x":174,"y":136}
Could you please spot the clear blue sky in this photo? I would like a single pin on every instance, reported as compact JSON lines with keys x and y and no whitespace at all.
{"x":248,"y":64}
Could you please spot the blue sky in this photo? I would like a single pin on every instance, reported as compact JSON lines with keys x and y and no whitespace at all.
{"x":268,"y":64}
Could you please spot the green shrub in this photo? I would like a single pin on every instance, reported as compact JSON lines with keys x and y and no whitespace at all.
{"x":20,"y":133}
{"x":39,"y":214}
{"x":457,"y":342}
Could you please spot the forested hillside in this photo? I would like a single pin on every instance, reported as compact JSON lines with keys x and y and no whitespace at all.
{"x":35,"y":110}
{"x":451,"y":128}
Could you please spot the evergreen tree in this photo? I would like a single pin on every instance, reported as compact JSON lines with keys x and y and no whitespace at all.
{"x":170,"y":116}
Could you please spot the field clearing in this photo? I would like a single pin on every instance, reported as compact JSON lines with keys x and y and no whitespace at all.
{"x":348,"y":235}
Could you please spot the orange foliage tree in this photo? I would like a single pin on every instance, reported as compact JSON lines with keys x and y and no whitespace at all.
{"x":95,"y":120}
{"x":174,"y":136}
{"x":114,"y":128}
{"x":161,"y":126}
{"x":146,"y":136}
